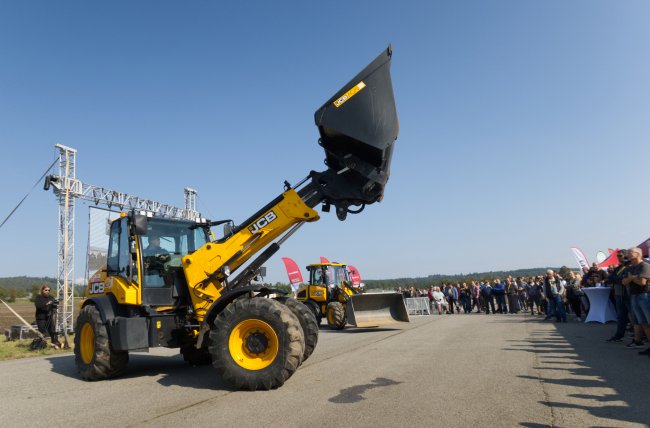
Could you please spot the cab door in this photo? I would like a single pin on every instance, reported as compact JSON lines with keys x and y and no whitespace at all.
{"x":121,"y":270}
{"x":157,"y":287}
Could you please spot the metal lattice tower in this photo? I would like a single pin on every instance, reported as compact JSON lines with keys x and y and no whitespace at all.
{"x":67,"y":189}
{"x":65,"y":266}
{"x":190,"y":199}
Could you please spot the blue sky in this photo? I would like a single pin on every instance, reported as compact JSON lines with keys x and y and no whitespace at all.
{"x":523,"y":125}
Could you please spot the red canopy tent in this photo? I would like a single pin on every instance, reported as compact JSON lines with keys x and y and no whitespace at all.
{"x":611,"y":260}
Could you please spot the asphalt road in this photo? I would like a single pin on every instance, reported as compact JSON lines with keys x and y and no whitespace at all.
{"x":450,"y":370}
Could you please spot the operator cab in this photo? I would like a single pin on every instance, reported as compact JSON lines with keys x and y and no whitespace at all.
{"x":330,"y":275}
{"x":161,"y":248}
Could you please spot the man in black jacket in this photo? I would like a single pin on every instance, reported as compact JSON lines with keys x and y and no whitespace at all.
{"x":46,"y":306}
{"x":621,"y":296}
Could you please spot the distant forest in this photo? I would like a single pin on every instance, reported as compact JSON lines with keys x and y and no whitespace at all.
{"x":17,"y":287}
{"x":26,"y":282}
{"x":437,"y":280}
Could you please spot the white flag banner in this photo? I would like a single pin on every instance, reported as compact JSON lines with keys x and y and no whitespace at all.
{"x":580,"y":258}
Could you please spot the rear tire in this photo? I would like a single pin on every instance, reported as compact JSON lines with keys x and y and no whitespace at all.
{"x":307,"y":322}
{"x":94,"y":357}
{"x":315,"y":309}
{"x":336,"y":316}
{"x":256,"y":343}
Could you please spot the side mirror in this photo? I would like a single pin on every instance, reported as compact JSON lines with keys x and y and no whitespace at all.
{"x":227,"y":229}
{"x":140,"y":222}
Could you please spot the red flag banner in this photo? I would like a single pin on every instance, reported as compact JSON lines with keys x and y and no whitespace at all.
{"x":295,"y":277}
{"x":354,"y":276}
{"x":323,"y":260}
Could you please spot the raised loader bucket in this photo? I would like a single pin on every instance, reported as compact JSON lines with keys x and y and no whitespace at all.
{"x":376,"y":310}
{"x":358,"y":127}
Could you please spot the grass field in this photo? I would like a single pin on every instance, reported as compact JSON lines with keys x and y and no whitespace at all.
{"x":20,"y":348}
{"x":25,"y":309}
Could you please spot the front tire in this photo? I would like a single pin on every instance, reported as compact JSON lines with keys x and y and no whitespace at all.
{"x":256,"y":343}
{"x":94,"y":357}
{"x":336,"y":316}
{"x":307,"y":322}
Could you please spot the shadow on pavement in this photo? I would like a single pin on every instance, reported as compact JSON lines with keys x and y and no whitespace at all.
{"x":174,"y":371}
{"x":354,"y":394}
{"x":63,"y":365}
{"x":354,"y":330}
{"x":607,"y":365}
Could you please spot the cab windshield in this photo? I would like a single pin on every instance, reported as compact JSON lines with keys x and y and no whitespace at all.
{"x":329,"y":275}
{"x":175,"y":237}
{"x":165,"y":243}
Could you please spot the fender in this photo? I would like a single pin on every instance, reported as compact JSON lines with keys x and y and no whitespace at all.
{"x":106,"y":305}
{"x":230,"y":295}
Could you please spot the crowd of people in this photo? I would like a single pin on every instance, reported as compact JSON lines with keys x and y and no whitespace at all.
{"x":554,"y":296}
{"x":540,"y":295}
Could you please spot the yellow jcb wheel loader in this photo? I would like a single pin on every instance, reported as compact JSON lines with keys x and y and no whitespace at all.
{"x":170,"y":282}
{"x":330,"y":294}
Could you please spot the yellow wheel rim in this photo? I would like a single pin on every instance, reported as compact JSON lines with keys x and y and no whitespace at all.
{"x":330,"y":316}
{"x":87,"y":343}
{"x":253,"y":344}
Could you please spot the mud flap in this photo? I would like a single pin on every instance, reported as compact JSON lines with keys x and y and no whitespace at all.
{"x":376,"y":310}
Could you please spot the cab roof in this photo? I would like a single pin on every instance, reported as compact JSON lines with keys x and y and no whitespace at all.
{"x":326,"y":264}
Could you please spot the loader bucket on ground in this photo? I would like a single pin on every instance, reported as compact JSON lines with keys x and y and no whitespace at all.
{"x":376,"y":310}
{"x":358,"y":127}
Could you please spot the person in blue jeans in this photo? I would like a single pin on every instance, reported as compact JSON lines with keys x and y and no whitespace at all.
{"x":548,"y":295}
{"x":637,"y":280}
{"x":499,"y":293}
{"x":554,"y":291}
{"x":488,"y":299}
{"x":560,"y":312}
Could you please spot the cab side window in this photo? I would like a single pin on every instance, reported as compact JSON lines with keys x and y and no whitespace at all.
{"x":112,"y":262}
{"x":316,"y":277}
{"x":124,"y":258}
{"x":118,"y":248}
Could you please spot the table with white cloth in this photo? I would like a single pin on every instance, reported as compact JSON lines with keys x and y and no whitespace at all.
{"x":600,"y":307}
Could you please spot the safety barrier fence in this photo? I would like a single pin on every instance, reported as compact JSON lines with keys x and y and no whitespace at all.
{"x":418,"y":306}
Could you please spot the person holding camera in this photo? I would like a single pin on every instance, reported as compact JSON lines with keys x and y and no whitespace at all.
{"x":46,"y":307}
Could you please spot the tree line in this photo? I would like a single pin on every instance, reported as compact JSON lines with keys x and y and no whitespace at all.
{"x":24,"y":286}
{"x":18,"y":287}
{"x":437,"y":280}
